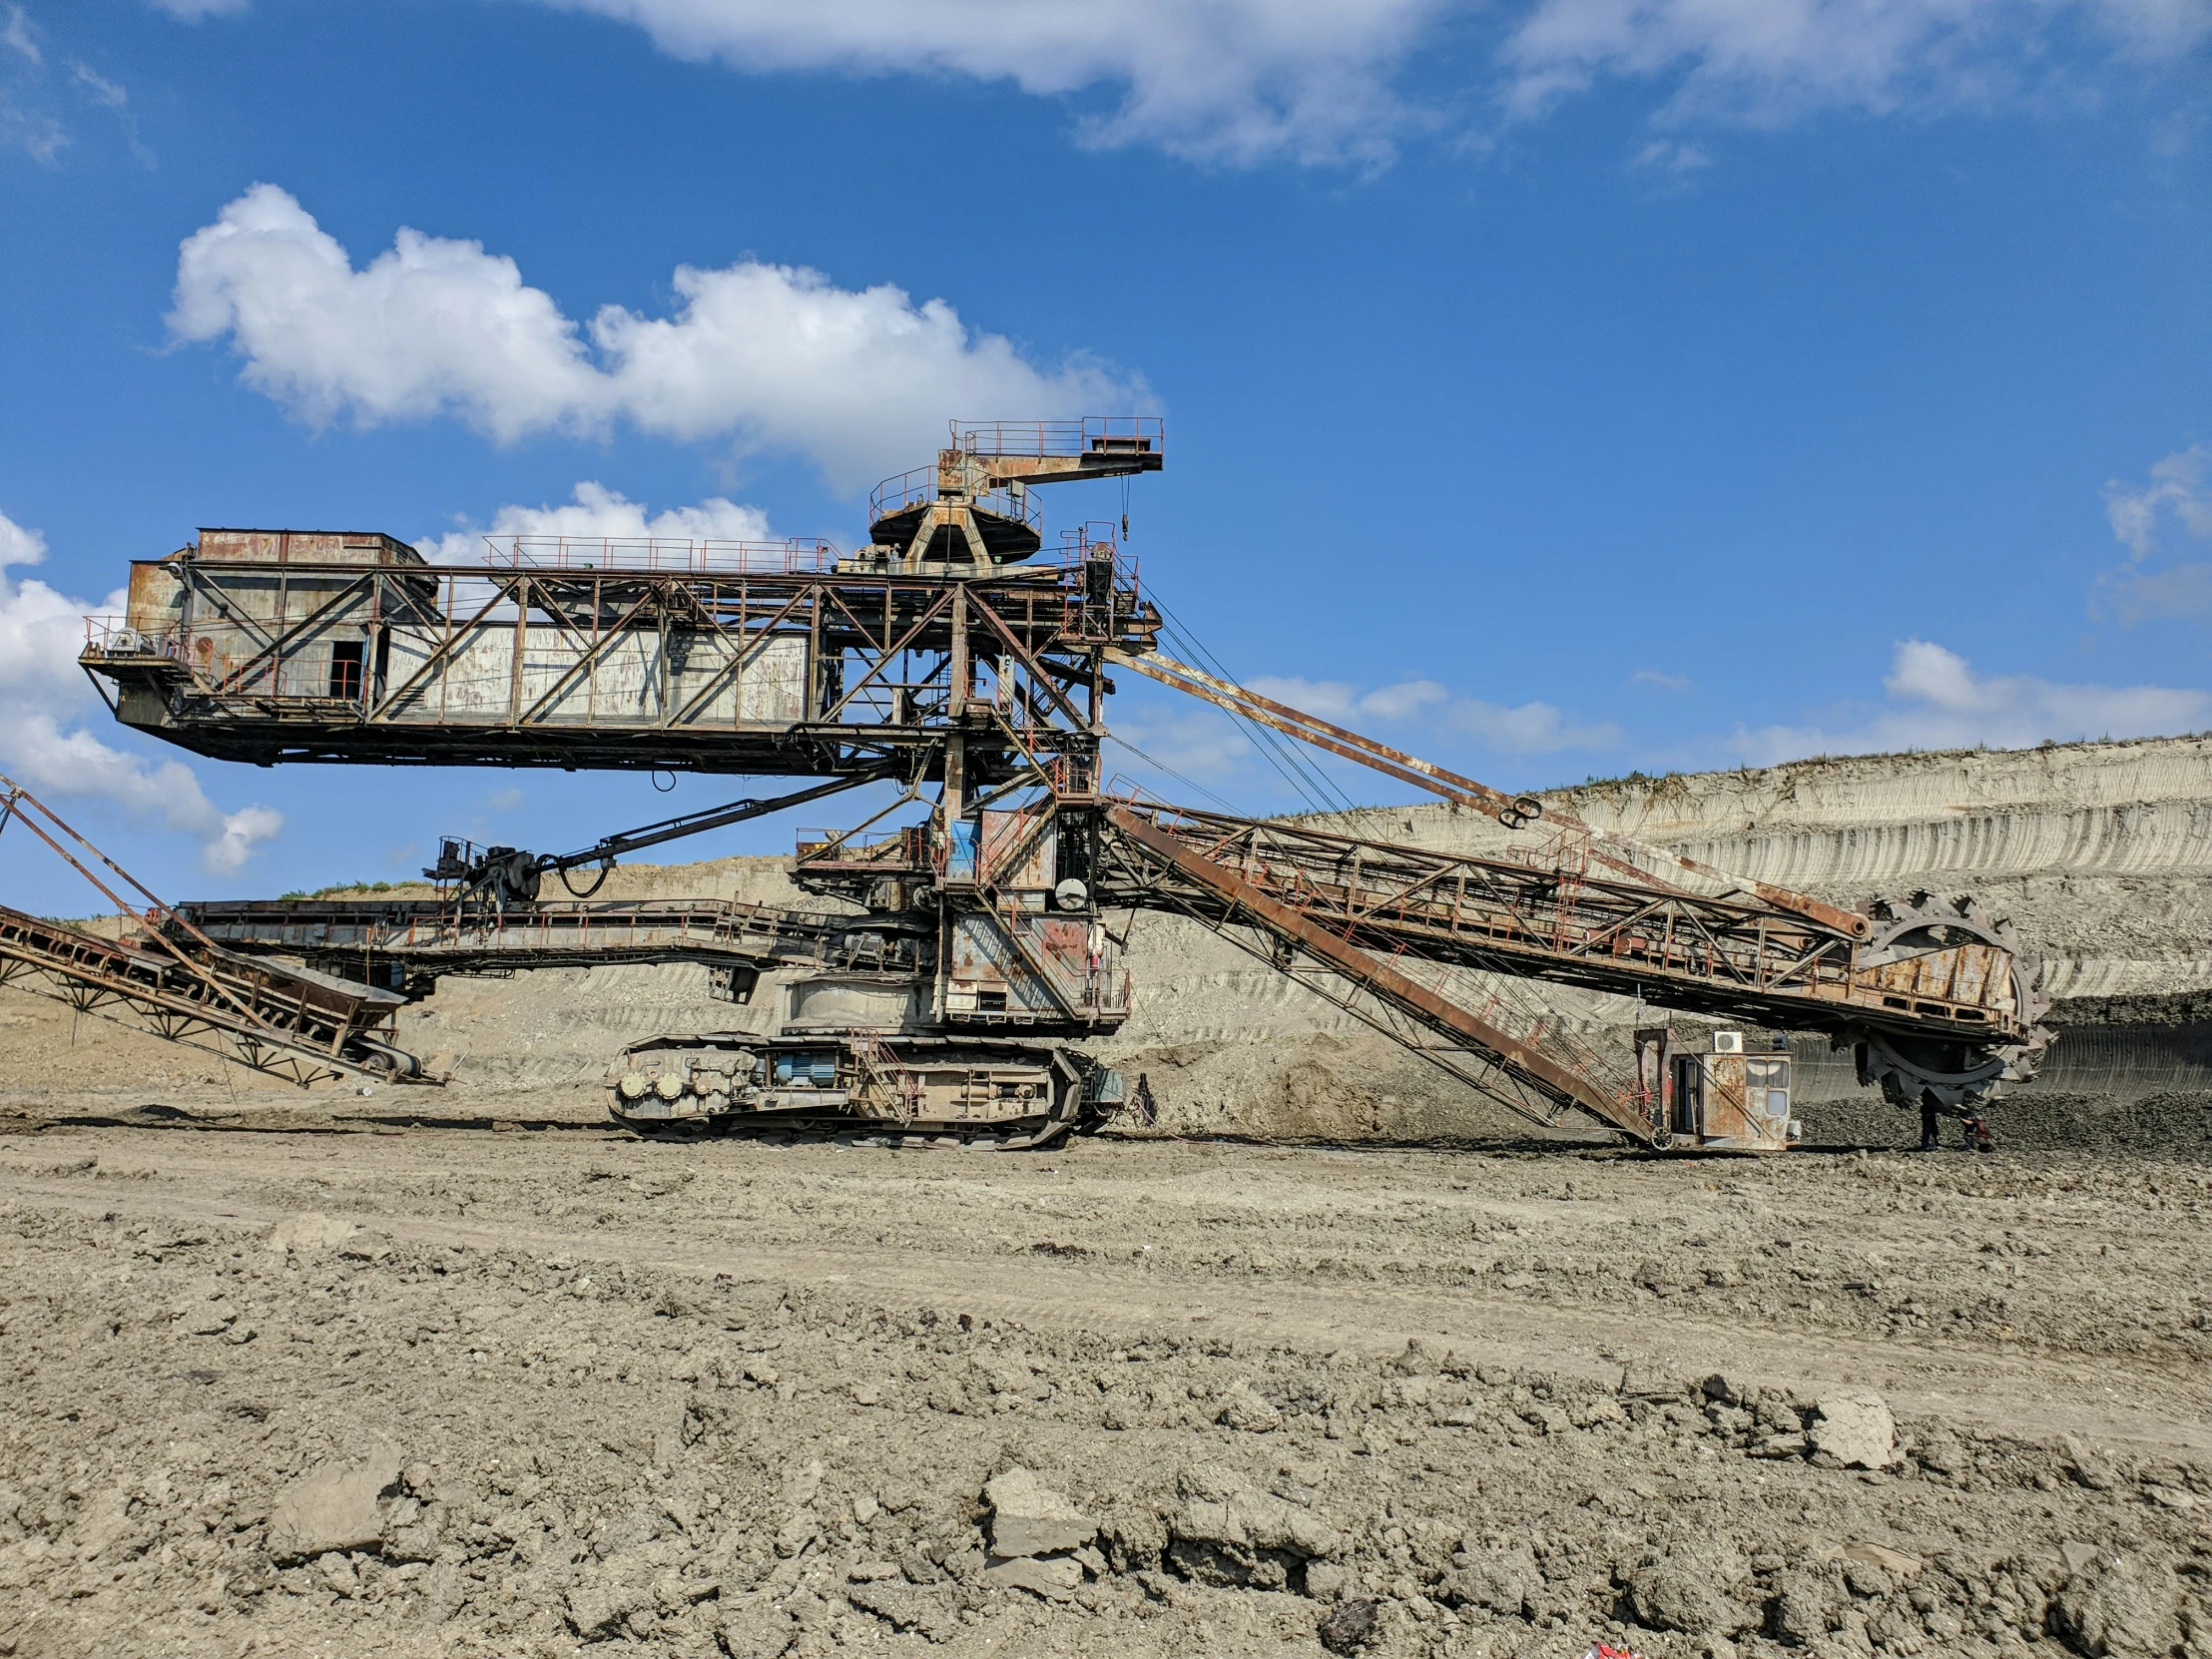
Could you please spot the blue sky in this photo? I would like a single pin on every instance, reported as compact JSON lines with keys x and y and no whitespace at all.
{"x":1553,"y":387}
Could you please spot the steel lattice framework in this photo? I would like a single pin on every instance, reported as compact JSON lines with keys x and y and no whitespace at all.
{"x":735,"y":662}
{"x":178,"y":983}
{"x":1361,"y":914}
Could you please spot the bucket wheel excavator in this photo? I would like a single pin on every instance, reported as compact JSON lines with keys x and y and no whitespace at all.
{"x":947,"y":995}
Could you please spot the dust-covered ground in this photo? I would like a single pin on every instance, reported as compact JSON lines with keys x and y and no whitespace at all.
{"x":314,"y":1381}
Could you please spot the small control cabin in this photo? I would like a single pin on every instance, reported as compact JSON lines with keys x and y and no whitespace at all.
{"x":1731,"y":1097}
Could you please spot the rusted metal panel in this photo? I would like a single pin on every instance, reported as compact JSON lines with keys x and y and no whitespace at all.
{"x":305,"y":547}
{"x":1728,"y":1100}
{"x":1020,"y":849}
{"x":772,"y":687}
{"x":155,"y":602}
{"x":1974,"y":974}
{"x":981,"y":958}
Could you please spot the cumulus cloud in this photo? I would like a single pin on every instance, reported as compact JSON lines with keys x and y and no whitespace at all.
{"x":1772,"y":61}
{"x":44,"y":743}
{"x":1523,"y":729}
{"x":1335,"y":82}
{"x":1937,"y":701}
{"x":2154,"y":522}
{"x":1233,"y":81}
{"x":595,"y":512}
{"x":860,"y":381}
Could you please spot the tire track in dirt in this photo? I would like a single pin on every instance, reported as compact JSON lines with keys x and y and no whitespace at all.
{"x":2035,"y":1396}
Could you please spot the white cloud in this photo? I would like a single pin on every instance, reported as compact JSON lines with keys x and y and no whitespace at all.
{"x":2155,"y":581}
{"x":1523,"y":729}
{"x":1662,"y":682}
{"x":1936,"y":701}
{"x":1774,"y":61}
{"x":25,"y":123}
{"x":16,"y":36}
{"x":2179,"y":489}
{"x":33,"y":102}
{"x":596,"y":512}
{"x":102,"y":91}
{"x":43,"y":744}
{"x":860,"y":381}
{"x":18,"y":546}
{"x":1322,"y":82}
{"x":1234,"y":81}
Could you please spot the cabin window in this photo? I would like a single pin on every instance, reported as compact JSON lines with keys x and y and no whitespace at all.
{"x":1767,"y":1087}
{"x":346,"y":670}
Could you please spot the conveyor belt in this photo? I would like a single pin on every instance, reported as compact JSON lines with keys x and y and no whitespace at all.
{"x":404,"y":942}
{"x":292,"y":1022}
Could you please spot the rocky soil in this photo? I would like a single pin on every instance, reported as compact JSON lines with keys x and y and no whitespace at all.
{"x":342,"y":1388}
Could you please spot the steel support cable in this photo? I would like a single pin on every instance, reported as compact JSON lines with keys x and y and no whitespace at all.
{"x":1176,"y":873}
{"x":1315,"y":791}
{"x":1162,"y":765}
{"x":1289,"y":767}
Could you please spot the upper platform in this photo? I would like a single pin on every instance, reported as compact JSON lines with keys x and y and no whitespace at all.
{"x":972,"y":508}
{"x":775,"y":661}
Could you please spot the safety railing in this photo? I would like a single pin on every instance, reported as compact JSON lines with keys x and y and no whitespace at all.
{"x":1091,"y":602}
{"x":1083,"y":966}
{"x":902,"y":848}
{"x":1091,"y":435}
{"x":894,"y":495}
{"x":919,"y":486}
{"x":111,"y":636}
{"x":794,"y":556}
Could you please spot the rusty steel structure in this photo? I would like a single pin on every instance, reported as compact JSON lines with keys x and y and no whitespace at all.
{"x":948,"y":1000}
{"x":171,"y":979}
{"x":770,"y":660}
{"x":406,"y":944}
{"x":1936,"y":998}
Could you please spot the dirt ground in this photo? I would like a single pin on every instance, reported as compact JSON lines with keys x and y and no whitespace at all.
{"x":290,"y":1375}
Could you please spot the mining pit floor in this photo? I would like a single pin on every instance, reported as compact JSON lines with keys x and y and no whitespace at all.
{"x":318,"y":1375}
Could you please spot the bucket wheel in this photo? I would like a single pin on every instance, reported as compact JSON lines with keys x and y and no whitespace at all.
{"x":1953,"y":1075}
